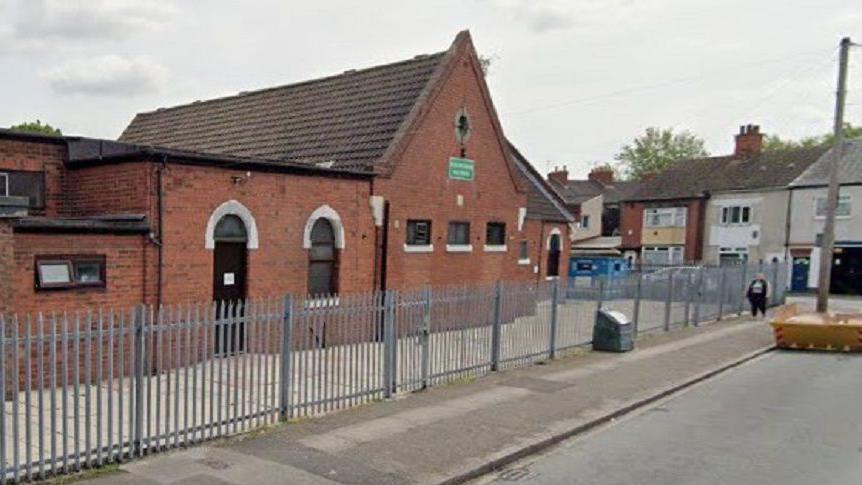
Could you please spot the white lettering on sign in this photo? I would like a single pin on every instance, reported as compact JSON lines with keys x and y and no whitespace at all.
{"x":229,"y":279}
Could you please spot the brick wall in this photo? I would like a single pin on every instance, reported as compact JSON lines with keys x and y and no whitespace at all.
{"x":281,"y":205}
{"x":631,"y":224}
{"x":632,"y":220}
{"x":124,"y":259}
{"x":37,"y":156}
{"x":7,"y":266}
{"x":123,"y":188}
{"x":419,"y":188}
{"x":538,"y":233}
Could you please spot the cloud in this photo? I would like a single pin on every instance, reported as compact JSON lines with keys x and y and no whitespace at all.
{"x":109,"y":75}
{"x":549,"y":15}
{"x":34,"y":25}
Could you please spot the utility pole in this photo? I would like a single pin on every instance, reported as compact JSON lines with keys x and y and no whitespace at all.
{"x":828,"y":241}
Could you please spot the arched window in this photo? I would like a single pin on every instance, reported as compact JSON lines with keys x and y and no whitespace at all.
{"x":322,"y":259}
{"x":554,"y":255}
{"x":230,"y":229}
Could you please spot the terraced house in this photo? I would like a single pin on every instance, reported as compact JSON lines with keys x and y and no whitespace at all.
{"x":395,"y":176}
{"x":717,"y":210}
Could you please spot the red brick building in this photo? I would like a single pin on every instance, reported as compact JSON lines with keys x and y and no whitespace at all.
{"x":396,"y":176}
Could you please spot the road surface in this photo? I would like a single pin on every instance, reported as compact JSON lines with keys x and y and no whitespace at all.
{"x":787,"y":418}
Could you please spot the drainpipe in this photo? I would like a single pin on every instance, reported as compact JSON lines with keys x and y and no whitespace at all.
{"x":160,"y":242}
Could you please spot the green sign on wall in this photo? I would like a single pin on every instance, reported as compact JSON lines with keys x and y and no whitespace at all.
{"x":461,"y":169}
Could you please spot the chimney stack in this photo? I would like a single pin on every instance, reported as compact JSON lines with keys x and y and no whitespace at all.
{"x":602,"y":175}
{"x":749,"y":141}
{"x":559,"y":175}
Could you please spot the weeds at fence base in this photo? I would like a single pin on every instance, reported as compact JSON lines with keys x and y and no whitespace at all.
{"x":86,"y":474}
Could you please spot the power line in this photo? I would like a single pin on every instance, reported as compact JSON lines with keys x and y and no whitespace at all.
{"x":660,"y":84}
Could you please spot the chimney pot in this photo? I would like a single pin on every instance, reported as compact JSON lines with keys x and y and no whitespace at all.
{"x":559,"y":175}
{"x":749,"y":141}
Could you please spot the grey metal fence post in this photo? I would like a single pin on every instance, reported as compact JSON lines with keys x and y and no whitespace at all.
{"x":286,"y":377}
{"x":689,"y":286}
{"x":138,"y":440}
{"x":668,"y":301}
{"x":389,"y":335}
{"x":637,"y":309}
{"x":699,"y":291}
{"x":742,"y":288}
{"x":425,"y":335}
{"x":555,"y":295}
{"x":721,"y":285}
{"x":496,"y":326}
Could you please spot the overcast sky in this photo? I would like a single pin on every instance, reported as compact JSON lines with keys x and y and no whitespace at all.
{"x":572,"y":80}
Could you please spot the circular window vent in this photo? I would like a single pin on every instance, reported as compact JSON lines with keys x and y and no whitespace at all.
{"x":463,"y":126}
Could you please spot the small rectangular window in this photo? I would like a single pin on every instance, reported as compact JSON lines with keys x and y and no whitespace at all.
{"x":54,"y":273}
{"x":585,"y":222}
{"x":418,"y":232}
{"x":60,"y":272}
{"x":495,"y":234}
{"x":24,"y":184}
{"x":459,"y":233}
{"x":841,"y":210}
{"x":524,"y":250}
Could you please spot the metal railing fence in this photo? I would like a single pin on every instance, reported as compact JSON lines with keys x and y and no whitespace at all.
{"x":87,"y":388}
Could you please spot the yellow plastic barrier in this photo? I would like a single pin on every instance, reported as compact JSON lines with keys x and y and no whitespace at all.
{"x":840,"y":332}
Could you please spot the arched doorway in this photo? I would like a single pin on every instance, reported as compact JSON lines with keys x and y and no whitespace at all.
{"x":554,"y":255}
{"x":230,"y":260}
{"x":322,"y":259}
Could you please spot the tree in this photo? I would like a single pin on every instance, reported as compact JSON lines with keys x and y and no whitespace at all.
{"x":774,"y":142}
{"x":657,"y":149}
{"x":37,"y":127}
{"x":485,"y":63}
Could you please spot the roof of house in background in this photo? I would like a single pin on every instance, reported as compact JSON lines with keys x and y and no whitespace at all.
{"x":578,"y":191}
{"x":849,"y":170}
{"x":543,"y":202}
{"x":695,"y":178}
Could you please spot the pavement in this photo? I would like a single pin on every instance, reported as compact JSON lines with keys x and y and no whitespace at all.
{"x":460,"y":431}
{"x":787,"y":417}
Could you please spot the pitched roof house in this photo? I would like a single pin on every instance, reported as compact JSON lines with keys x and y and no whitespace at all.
{"x":807,"y":218}
{"x":715,"y":209}
{"x":596,"y":203}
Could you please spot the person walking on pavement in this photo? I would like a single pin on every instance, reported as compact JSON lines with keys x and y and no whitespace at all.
{"x":757,"y":293}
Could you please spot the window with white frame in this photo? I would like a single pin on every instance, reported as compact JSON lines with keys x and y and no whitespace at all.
{"x":665,"y":217}
{"x":841,"y":210}
{"x":732,"y":256}
{"x":738,"y":215}
{"x":585,"y":221}
{"x":663,"y":255}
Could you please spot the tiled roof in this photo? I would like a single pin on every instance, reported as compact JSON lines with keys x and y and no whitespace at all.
{"x":578,"y":191}
{"x":694,"y":178}
{"x":849,"y":170}
{"x":543,"y":202}
{"x":348,"y":120}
